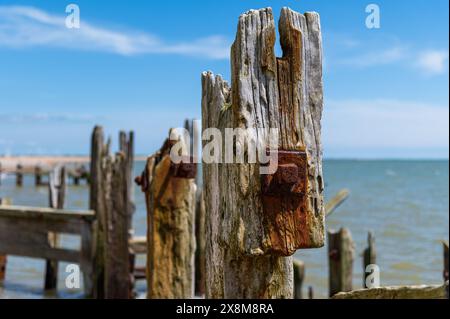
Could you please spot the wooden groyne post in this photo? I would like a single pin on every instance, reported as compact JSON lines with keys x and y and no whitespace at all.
{"x":252,"y":233}
{"x":110,"y":197}
{"x":369,"y":257}
{"x":170,"y":194}
{"x":341,"y":251}
{"x":19,"y":175}
{"x":38,"y":175}
{"x":57,"y":192}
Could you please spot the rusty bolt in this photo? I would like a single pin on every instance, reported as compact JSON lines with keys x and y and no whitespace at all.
{"x":287,"y":174}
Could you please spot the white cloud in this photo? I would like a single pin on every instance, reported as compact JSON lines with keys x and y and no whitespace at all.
{"x":382,"y":57}
{"x":433,"y":61}
{"x":384,"y":124}
{"x":22,"y":26}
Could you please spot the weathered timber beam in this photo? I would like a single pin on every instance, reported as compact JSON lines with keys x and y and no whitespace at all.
{"x":336,"y":201}
{"x":252,"y":235}
{"x":45,"y":213}
{"x":400,"y":292}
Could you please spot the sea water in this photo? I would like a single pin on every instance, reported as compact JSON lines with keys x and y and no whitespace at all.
{"x":404,"y":203}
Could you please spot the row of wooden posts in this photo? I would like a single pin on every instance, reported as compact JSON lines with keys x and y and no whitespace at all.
{"x":76,"y":175}
{"x":105,"y":230}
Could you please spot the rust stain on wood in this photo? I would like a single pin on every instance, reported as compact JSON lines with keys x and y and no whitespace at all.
{"x":284,"y":204}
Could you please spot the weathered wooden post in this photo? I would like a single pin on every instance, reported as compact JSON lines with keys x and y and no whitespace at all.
{"x":19,"y":175}
{"x":252,"y":225}
{"x":170,"y":197}
{"x":299,"y":275}
{"x":117,"y":185}
{"x":38,"y":175}
{"x":369,"y":256}
{"x":110,"y":197}
{"x":341,"y":251}
{"x":97,"y":203}
{"x":57,"y":192}
{"x":310,"y":292}
{"x":4,"y":258}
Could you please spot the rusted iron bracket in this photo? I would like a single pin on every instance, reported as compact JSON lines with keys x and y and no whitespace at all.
{"x":290,"y":179}
{"x":284,"y":197}
{"x":185,"y":169}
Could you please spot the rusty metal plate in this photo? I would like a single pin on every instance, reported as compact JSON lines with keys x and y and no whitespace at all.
{"x":185,"y":169}
{"x":284,"y":196}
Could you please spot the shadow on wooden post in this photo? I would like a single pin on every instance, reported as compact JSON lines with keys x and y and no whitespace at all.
{"x":56,"y":192}
{"x":96,"y":202}
{"x":341,"y":251}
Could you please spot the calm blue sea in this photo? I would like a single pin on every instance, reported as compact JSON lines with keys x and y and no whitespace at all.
{"x":404,"y":203}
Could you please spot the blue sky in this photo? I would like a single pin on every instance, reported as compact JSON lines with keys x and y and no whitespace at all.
{"x":137,"y":65}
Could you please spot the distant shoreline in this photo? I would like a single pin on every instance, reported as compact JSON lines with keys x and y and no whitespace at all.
{"x":8,"y":164}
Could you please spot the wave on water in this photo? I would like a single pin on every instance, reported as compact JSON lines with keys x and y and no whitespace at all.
{"x":390,"y":172}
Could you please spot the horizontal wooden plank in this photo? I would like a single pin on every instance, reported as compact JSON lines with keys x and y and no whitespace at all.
{"x":14,"y":224}
{"x":44,"y":253}
{"x":336,"y":201}
{"x":400,"y":292}
{"x":45,"y":213}
{"x":138,"y":244}
{"x":32,"y":243}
